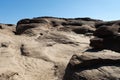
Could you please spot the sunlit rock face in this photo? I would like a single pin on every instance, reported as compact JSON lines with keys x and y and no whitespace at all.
{"x":50,"y":48}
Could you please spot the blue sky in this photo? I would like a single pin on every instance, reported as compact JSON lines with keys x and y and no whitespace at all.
{"x":13,"y":10}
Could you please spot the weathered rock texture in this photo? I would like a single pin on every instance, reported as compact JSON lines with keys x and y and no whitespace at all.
{"x":91,"y":66}
{"x":40,"y":49}
{"x":77,"y":25}
{"x":107,"y":36}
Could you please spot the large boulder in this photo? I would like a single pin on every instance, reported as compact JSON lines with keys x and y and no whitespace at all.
{"x":91,"y":66}
{"x":111,"y":43}
{"x":106,"y":37}
{"x":106,"y":31}
{"x":26,"y":24}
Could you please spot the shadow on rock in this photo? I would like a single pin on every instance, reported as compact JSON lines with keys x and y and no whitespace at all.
{"x":87,"y":67}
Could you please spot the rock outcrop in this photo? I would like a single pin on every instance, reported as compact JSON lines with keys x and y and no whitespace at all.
{"x":91,"y":66}
{"x":107,"y":36}
{"x":77,"y":25}
{"x":40,"y":49}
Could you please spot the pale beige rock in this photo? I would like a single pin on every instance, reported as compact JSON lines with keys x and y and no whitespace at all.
{"x":39,"y":57}
{"x":43,"y":52}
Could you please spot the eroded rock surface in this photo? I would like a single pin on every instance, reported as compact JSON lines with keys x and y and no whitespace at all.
{"x":94,"y":66}
{"x":77,"y":25}
{"x":40,"y":49}
{"x":107,"y":36}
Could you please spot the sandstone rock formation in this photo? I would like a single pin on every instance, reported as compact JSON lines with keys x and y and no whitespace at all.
{"x":107,"y":36}
{"x":94,"y":66}
{"x":40,"y":49}
{"x":78,"y":25}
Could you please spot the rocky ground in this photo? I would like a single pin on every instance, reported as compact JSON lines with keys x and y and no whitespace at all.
{"x":50,"y":48}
